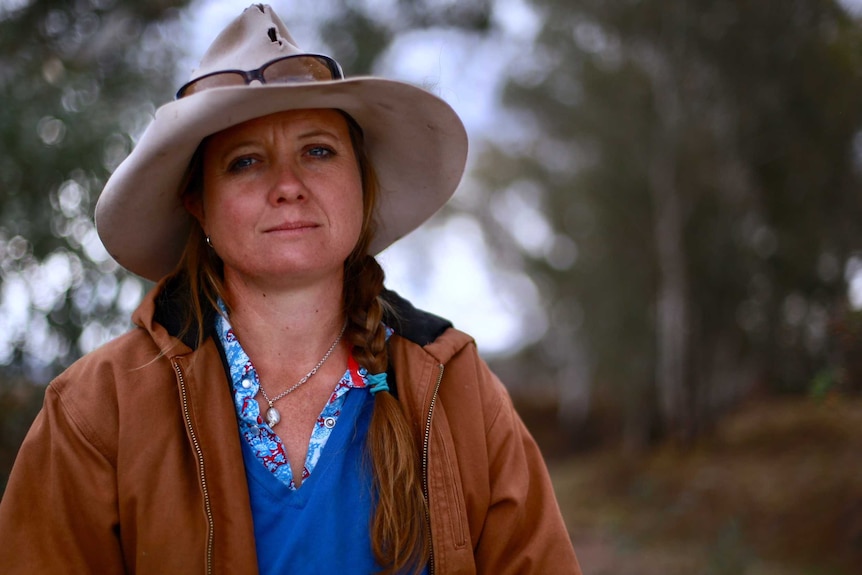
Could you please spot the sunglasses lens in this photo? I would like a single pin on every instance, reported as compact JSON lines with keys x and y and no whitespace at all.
{"x":216,"y":80}
{"x":301,"y":69}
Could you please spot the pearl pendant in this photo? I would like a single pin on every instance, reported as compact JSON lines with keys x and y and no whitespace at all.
{"x":272,"y":417}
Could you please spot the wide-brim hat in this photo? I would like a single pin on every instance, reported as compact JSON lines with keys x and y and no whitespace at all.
{"x":415,"y":141}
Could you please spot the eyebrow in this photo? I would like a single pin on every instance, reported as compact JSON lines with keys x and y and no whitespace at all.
{"x":315,"y":132}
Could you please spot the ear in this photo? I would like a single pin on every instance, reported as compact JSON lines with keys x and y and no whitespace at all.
{"x":195,"y":206}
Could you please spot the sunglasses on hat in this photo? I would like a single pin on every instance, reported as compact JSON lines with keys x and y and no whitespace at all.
{"x":294,"y":68}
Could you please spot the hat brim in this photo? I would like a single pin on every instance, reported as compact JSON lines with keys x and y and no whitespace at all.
{"x":415,"y":141}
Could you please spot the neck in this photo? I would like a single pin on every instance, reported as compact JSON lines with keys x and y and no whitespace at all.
{"x":296,"y":325}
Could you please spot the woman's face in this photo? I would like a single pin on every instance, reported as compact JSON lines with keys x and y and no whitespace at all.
{"x":282,"y":197}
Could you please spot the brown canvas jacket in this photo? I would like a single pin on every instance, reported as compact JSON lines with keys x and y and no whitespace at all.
{"x":134,"y":466}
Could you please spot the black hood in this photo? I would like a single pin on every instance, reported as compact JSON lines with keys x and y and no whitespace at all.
{"x":411,"y":323}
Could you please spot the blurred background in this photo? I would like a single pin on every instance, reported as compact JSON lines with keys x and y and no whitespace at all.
{"x":657,"y":245}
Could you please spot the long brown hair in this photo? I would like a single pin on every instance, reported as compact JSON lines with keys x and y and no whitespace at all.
{"x":398,"y":533}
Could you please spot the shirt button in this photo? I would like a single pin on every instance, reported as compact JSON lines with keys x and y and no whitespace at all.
{"x":329,"y":422}
{"x":246,"y":383}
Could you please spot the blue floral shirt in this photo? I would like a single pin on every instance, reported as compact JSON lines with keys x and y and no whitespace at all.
{"x":264,"y":441}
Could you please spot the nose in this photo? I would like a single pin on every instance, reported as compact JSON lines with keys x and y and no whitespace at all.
{"x":287,"y":184}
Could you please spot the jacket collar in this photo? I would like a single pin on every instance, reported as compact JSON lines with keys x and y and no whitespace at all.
{"x":158,"y":315}
{"x":161,"y":314}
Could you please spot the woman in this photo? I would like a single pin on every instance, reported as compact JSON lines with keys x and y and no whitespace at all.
{"x":276,"y":410}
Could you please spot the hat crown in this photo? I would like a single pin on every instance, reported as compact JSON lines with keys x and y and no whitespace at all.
{"x":254,"y":38}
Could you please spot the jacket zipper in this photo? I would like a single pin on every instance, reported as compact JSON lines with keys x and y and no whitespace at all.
{"x":200,"y":456}
{"x":425,"y":447}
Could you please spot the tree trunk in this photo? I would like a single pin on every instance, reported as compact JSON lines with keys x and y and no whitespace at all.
{"x":672,"y":297}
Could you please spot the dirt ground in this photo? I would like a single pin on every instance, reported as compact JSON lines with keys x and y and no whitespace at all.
{"x":777,"y":490}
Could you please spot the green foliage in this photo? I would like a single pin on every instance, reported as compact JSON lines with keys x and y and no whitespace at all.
{"x":823,"y":382}
{"x":78,"y":82}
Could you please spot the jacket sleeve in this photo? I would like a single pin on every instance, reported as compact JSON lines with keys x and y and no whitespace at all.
{"x":59,"y":510}
{"x":523,"y":531}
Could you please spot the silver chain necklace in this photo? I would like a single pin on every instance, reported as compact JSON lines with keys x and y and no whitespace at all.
{"x":273,"y":416}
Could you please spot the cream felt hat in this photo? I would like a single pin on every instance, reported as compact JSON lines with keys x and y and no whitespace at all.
{"x":415,"y":141}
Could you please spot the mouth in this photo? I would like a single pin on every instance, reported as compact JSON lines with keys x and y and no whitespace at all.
{"x":292,"y":226}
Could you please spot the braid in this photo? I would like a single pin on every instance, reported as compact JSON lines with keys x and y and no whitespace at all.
{"x":365,"y":314}
{"x":398,"y":535}
{"x":397,"y":530}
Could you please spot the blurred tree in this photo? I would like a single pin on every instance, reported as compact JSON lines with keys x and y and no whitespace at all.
{"x":359,"y":32}
{"x":77,"y":82}
{"x":699,"y":165}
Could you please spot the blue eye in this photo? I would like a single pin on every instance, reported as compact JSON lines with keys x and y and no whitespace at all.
{"x":320,"y":151}
{"x":240,"y":163}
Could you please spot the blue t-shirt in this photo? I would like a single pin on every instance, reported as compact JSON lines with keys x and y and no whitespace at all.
{"x":324,"y":526}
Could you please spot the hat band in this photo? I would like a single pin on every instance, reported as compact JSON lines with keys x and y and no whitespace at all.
{"x":285,"y":70}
